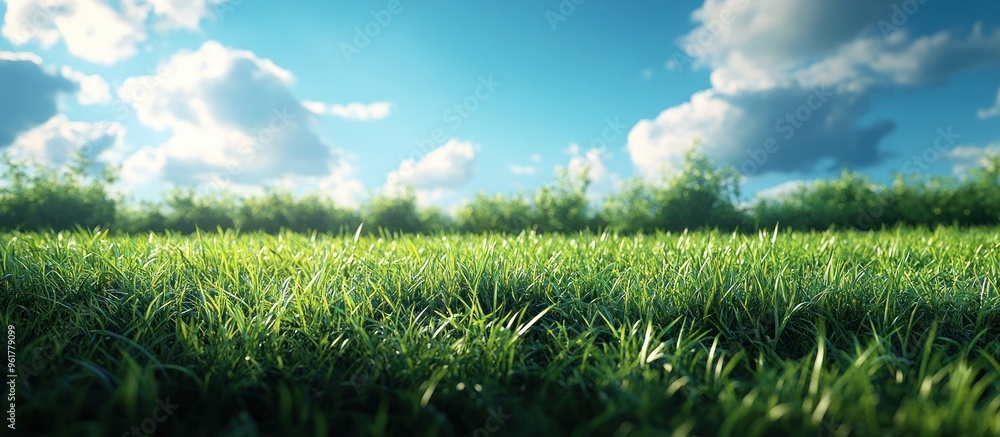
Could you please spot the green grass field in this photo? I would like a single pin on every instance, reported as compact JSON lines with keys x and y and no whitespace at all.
{"x":889,"y":333}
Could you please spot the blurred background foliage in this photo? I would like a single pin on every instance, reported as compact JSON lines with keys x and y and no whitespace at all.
{"x":700,"y":195}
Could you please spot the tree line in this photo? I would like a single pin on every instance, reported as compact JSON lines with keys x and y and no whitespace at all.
{"x":699,"y":196}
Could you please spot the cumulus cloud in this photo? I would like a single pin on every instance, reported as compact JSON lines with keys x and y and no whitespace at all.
{"x":442,"y":171}
{"x":521,"y":170}
{"x":99,"y":31}
{"x":754,"y":40}
{"x":591,"y":162}
{"x":55,"y":141}
{"x":20,"y":56}
{"x":233,"y":119}
{"x":28,"y":94}
{"x":91,"y":29}
{"x":969,"y":157}
{"x":787,"y":32}
{"x":991,"y":112}
{"x":93,"y":89}
{"x":792,"y":81}
{"x":351,"y":111}
{"x":524,"y":170}
{"x":340,"y":186}
{"x":783,"y":189}
{"x":186,"y":14}
{"x":899,"y":61}
{"x":780,"y":129}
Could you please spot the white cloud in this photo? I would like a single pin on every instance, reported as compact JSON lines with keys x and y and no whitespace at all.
{"x":969,"y":157}
{"x":440,"y":172}
{"x":339,"y":185}
{"x":20,"y":56}
{"x":783,"y":189}
{"x":524,"y":170}
{"x":91,"y":29}
{"x":765,"y":36}
{"x":899,"y":61}
{"x":521,"y":170}
{"x":54,"y":142}
{"x":656,"y":145}
{"x":93,"y":89}
{"x":782,"y":129}
{"x":233,"y":119}
{"x":351,"y":111}
{"x":359,"y":111}
{"x":318,"y":108}
{"x":186,"y":14}
{"x":97,"y":30}
{"x":792,"y":81}
{"x":992,"y":111}
{"x":591,"y":162}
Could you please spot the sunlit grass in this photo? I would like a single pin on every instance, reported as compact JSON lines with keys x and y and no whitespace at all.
{"x":702,"y":333}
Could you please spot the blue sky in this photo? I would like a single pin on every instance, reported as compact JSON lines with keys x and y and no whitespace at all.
{"x":452,"y":98}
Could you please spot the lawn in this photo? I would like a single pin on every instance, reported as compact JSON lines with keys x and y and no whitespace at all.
{"x":832,"y":333}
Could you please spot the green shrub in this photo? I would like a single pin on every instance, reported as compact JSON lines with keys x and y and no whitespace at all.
{"x":278,"y":210}
{"x":495,"y":213}
{"x":188,"y":212}
{"x":852,"y":201}
{"x":38,"y":197}
{"x":700,"y":196}
{"x":393,"y":214}
{"x":849,"y":202}
{"x":562,"y":206}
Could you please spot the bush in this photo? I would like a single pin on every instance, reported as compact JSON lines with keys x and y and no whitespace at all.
{"x":700,"y":196}
{"x":848,"y":202}
{"x":495,"y":213}
{"x":188,"y":212}
{"x":278,"y":210}
{"x":140,"y":218}
{"x":562,"y":206}
{"x":853,"y":202}
{"x":38,"y":197}
{"x":395,"y":214}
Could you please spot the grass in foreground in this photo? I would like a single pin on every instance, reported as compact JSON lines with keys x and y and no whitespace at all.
{"x":693,"y":334}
